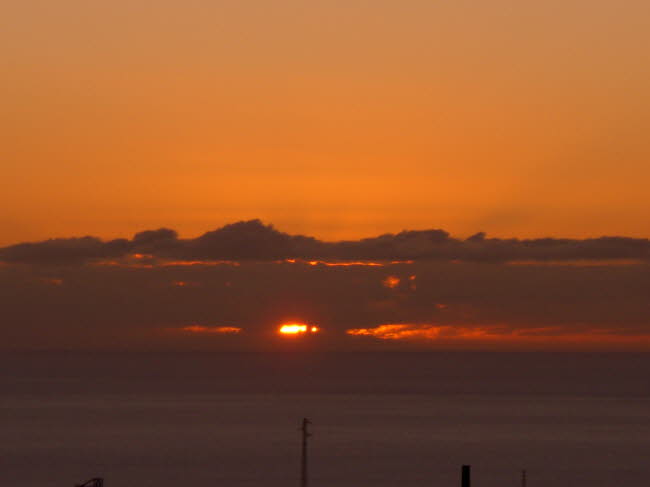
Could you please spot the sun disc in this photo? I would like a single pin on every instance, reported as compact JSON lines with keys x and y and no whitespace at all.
{"x":297,"y":329}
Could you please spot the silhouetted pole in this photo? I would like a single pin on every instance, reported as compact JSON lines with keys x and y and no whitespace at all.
{"x":523,"y":478}
{"x":303,"y":464}
{"x":464,"y":476}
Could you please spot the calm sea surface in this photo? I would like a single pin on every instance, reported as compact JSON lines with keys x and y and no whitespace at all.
{"x":379,"y":419}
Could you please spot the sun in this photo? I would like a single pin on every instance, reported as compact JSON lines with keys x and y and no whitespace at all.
{"x":297,"y":329}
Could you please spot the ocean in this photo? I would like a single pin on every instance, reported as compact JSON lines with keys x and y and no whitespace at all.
{"x":378,"y":419}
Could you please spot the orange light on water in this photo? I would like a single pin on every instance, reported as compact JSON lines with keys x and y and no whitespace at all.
{"x":297,"y":329}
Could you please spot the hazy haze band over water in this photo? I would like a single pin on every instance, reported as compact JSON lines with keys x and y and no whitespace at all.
{"x":379,"y":419}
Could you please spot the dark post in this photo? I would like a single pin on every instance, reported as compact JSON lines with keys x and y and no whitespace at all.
{"x":523,"y":478}
{"x":464,"y":476}
{"x":303,"y":464}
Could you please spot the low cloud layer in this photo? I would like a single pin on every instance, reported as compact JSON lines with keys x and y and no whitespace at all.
{"x":232,"y":306}
{"x":231,"y":289}
{"x":255,"y":241}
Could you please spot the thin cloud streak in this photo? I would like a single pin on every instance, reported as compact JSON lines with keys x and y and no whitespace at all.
{"x":503,"y":335}
{"x":145,"y":300}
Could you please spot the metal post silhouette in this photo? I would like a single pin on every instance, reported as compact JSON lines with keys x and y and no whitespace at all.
{"x":303,"y":464}
{"x":523,"y":478}
{"x":465,"y":476}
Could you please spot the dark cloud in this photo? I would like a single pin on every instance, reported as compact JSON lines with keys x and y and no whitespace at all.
{"x":65,"y":250}
{"x":255,"y":241}
{"x":251,"y":240}
{"x":155,"y":237}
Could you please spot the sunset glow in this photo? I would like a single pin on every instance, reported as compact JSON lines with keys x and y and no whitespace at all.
{"x":142,"y":261}
{"x":397,"y":172}
{"x":398,"y":331}
{"x":135,"y":263}
{"x":396,"y":241}
{"x":354,"y":263}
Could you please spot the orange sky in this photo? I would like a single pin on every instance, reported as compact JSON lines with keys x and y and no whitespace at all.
{"x":338,"y":119}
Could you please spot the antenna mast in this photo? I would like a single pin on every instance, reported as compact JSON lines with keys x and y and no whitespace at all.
{"x":303,"y":464}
